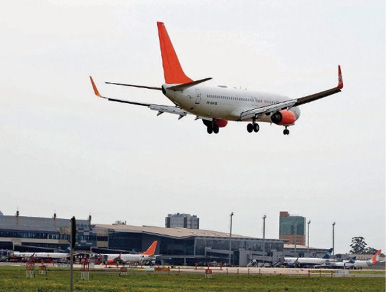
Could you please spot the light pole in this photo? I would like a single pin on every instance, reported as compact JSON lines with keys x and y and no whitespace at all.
{"x":230,"y":241}
{"x":308,"y":235}
{"x":296,"y":232}
{"x":333,"y":238}
{"x":265,"y":216}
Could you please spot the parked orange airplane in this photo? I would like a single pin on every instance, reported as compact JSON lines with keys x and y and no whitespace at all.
{"x":215,"y":106}
{"x":132,"y":258}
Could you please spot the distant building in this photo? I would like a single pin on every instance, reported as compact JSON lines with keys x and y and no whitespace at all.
{"x":292,"y":228}
{"x":119,"y":222}
{"x":182,"y":220}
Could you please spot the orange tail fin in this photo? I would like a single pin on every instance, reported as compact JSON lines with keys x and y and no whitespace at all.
{"x":375,"y":258}
{"x":172,"y":69}
{"x":151,"y":249}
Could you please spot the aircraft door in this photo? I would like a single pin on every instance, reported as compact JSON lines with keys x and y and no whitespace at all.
{"x":198,"y":97}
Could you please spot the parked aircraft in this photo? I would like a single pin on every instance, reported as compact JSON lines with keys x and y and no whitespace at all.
{"x":215,"y":106}
{"x":359,"y":264}
{"x":38,"y":255}
{"x":132,"y":258}
{"x":346,"y":264}
{"x":306,"y":262}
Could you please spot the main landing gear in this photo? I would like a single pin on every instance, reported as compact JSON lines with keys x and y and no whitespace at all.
{"x":253,"y":127}
{"x":211,"y":127}
{"x":286,"y":131}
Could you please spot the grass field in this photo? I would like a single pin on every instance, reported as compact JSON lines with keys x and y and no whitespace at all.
{"x":14,"y":279}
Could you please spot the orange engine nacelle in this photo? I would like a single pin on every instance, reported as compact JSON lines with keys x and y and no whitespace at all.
{"x":221,"y":123}
{"x":283,"y":117}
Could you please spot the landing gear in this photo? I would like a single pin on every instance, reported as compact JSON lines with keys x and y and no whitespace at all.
{"x":215,"y":129}
{"x":211,"y":127}
{"x":286,"y":131}
{"x":256,"y":127}
{"x":253,"y":127}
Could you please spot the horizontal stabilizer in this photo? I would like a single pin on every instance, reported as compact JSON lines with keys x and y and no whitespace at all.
{"x":189,"y":84}
{"x":133,"y":85}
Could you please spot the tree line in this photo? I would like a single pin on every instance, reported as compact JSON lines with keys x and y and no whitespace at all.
{"x":359,"y":246}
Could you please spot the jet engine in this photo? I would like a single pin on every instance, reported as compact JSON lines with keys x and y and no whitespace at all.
{"x":221,"y":123}
{"x":214,"y":125}
{"x":218,"y":122}
{"x":283,"y":117}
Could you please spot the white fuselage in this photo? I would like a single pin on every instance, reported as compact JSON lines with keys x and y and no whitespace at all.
{"x":337,"y":265}
{"x":129,"y":258}
{"x":222,"y":102}
{"x":40,"y":255}
{"x":363,"y":264}
{"x":291,"y":261}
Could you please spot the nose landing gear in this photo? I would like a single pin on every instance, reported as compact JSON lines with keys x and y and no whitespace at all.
{"x":286,"y":131}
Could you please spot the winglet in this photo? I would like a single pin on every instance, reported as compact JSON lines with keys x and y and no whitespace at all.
{"x":95,"y":88}
{"x":340,"y":84}
{"x":151,"y":249}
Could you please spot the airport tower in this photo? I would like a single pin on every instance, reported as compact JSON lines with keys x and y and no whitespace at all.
{"x":292,"y":228}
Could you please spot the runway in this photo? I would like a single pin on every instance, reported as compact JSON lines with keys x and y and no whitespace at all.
{"x":252,"y":271}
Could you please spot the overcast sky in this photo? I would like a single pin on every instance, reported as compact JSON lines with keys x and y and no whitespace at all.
{"x":64,"y":150}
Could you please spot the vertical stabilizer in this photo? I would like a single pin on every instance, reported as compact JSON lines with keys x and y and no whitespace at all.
{"x":328,"y":254}
{"x":172,"y":69}
{"x":375,"y":258}
{"x":151,"y":250}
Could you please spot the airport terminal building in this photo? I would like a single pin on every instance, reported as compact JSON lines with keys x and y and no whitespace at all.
{"x":189,"y":246}
{"x":22,"y":233}
{"x":175,"y":245}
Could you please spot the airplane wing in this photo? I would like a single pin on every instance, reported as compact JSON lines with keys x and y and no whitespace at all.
{"x":155,"y":107}
{"x":256,"y":112}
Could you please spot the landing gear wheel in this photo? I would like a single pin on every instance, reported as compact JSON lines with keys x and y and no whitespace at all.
{"x":250,"y":128}
{"x":209,"y":130}
{"x":215,"y":129}
{"x":286,"y":132}
{"x":256,"y":127}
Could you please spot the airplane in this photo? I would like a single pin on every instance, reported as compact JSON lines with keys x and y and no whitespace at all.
{"x":148,"y":255}
{"x":346,"y":264}
{"x":39,"y":255}
{"x":303,"y":262}
{"x":359,"y":264}
{"x":215,"y":106}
